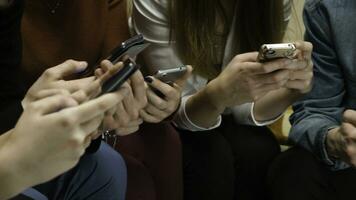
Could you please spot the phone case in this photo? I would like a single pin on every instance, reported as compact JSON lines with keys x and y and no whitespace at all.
{"x":116,"y":81}
{"x":274,"y":51}
{"x":130,"y":49}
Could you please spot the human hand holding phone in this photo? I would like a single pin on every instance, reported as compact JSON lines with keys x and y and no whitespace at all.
{"x":301,"y":77}
{"x":53,"y":81}
{"x":164,"y":93}
{"x":51,"y":136}
{"x":124,"y":118}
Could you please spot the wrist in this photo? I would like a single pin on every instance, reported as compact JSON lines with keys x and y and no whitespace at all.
{"x":13,"y":170}
{"x":11,"y":181}
{"x":212,"y":94}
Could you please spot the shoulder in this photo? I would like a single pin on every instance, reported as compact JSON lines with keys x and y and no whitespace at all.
{"x":154,"y":8}
{"x":328,"y":5}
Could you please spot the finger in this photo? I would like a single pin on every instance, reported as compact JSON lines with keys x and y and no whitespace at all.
{"x":109,"y":123}
{"x":299,"y":84}
{"x":161,"y":114}
{"x":50,"y":92}
{"x":155,"y":100}
{"x":98,"y":73}
{"x":168,"y":91}
{"x":73,"y":85}
{"x":65,"y":69}
{"x":95,"y":135}
{"x":273,"y":77}
{"x":92,"y":125}
{"x":246,"y":57}
{"x":98,"y":106}
{"x":131,"y":106}
{"x":274,"y":65}
{"x":181,"y":82}
{"x":105,"y":65}
{"x":88,"y":92}
{"x":111,"y":112}
{"x":305,"y":47}
{"x":350,"y":117}
{"x":133,"y":124}
{"x":53,"y":104}
{"x":255,"y":68}
{"x":109,"y":70}
{"x":297,"y":64}
{"x":126,"y":131}
{"x":137,"y":122}
{"x":93,"y":89}
{"x":301,"y":75}
{"x":87,"y":141}
{"x":121,"y":116}
{"x":148,"y":118}
{"x":139,"y":88}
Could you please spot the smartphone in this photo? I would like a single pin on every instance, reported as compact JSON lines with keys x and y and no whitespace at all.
{"x":269,"y":52}
{"x":130,"y":48}
{"x":170,"y":75}
{"x":116,"y":81}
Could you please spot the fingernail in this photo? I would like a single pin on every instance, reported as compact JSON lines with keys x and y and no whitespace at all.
{"x":148,"y":79}
{"x":82,"y":66}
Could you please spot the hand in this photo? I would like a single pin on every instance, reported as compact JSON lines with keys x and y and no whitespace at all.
{"x":246,"y":80}
{"x":52,"y":80}
{"x":301,"y":78}
{"x":159,"y":108}
{"x":52,"y":135}
{"x":341,"y":142}
{"x":125,"y":117}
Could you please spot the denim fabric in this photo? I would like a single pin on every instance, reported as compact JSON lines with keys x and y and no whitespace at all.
{"x":331,"y":27}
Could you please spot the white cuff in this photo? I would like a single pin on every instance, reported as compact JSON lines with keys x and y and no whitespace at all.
{"x":182,"y":120}
{"x":264,"y":123}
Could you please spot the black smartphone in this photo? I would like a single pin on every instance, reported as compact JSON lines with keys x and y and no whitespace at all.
{"x":116,"y":81}
{"x":171,"y":75}
{"x":130,"y":48}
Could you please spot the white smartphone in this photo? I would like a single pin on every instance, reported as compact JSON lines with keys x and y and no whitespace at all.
{"x":170,"y":75}
{"x":269,"y":52}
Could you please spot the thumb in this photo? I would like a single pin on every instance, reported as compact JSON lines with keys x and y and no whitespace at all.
{"x":181,"y":82}
{"x":68,"y":68}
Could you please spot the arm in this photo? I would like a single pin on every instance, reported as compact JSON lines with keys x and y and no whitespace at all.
{"x":150,"y":19}
{"x":322,"y":109}
{"x":203,"y":104}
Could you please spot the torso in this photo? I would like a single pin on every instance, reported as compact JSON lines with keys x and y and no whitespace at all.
{"x":72,"y":32}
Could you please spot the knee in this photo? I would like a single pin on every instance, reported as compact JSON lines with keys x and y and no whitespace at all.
{"x":112,"y":162}
{"x":294,"y":164}
{"x":111,"y":166}
{"x":207,"y":154}
{"x":215,"y":149}
{"x":260,"y":148}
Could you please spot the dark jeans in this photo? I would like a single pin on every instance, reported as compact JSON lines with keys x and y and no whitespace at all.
{"x":98,"y":176}
{"x":229,"y":162}
{"x":296,"y":174}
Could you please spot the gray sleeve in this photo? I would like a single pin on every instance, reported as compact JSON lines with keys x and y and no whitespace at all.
{"x":322,"y":108}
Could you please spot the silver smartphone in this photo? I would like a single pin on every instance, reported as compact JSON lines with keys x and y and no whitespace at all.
{"x":269,"y":52}
{"x":170,"y":75}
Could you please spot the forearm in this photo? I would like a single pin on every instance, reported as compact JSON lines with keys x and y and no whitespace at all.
{"x":11,"y":180}
{"x":274,"y":104}
{"x":203,"y":109}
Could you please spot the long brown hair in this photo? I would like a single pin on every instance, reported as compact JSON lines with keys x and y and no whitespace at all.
{"x":193,"y":27}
